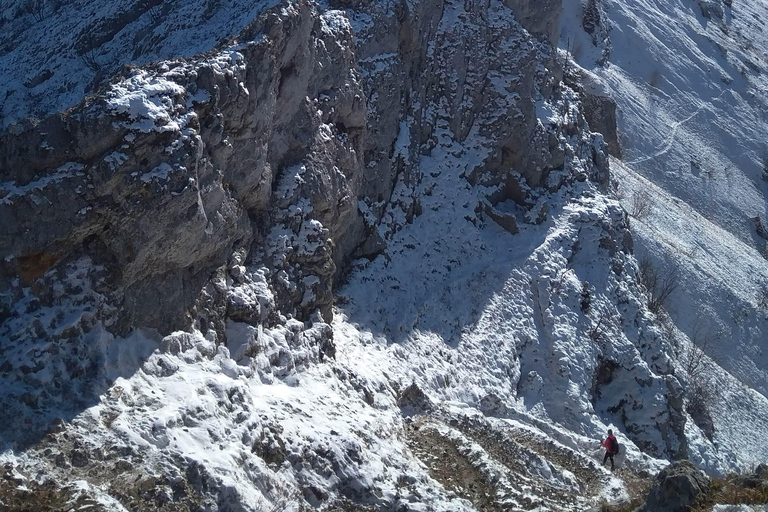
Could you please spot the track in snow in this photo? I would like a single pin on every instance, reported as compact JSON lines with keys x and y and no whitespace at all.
{"x":495,"y":467}
{"x":671,"y":138}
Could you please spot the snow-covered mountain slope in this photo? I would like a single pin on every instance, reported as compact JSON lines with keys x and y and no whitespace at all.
{"x":346,"y":260}
{"x":56,"y":52}
{"x":720,"y":279}
{"x":691,"y":96}
{"x":689,"y":80}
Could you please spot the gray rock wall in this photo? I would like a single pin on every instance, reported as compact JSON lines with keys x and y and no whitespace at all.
{"x":163,"y":202}
{"x":197,"y":182}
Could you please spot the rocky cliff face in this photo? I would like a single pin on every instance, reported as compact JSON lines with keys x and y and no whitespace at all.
{"x":204,"y":211}
{"x":174,"y":170}
{"x":233,"y":185}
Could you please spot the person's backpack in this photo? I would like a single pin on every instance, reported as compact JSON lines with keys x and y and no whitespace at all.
{"x":614,"y":446}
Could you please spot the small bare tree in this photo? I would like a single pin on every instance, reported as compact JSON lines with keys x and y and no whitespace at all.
{"x":567,"y":60}
{"x":659,"y":285}
{"x":640,"y":204}
{"x":702,"y":390}
{"x":89,"y":59}
{"x":598,"y":332}
{"x":702,"y":341}
{"x":36,"y":8}
{"x":290,"y":497}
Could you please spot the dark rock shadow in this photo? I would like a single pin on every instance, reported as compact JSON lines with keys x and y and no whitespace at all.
{"x":432,"y":299}
{"x":47,"y":382}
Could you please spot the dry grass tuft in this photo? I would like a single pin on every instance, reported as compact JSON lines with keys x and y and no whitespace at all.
{"x":732,"y":490}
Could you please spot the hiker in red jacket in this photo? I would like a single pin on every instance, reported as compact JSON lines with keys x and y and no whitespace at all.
{"x":611,"y":446}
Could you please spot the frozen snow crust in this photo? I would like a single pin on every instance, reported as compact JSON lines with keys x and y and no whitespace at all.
{"x":182,"y":341}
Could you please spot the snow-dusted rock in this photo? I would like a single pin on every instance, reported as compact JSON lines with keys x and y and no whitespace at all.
{"x":677,"y":488}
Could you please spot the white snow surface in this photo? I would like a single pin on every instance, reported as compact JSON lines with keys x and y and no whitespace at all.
{"x":691,"y":98}
{"x":693,"y":113}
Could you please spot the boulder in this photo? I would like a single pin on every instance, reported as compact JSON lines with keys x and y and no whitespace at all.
{"x":711,"y":9}
{"x":414,"y":401}
{"x":677,"y":488}
{"x":755,"y":479}
{"x":600,"y":112}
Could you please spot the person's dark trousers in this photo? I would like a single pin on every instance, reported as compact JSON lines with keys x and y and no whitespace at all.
{"x":607,"y":456}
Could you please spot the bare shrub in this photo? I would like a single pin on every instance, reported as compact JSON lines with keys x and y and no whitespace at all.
{"x":733,"y":489}
{"x":659,"y":284}
{"x":702,"y":340}
{"x":89,"y":59}
{"x":616,"y":191}
{"x":701,"y":396}
{"x":36,"y":8}
{"x":702,"y":391}
{"x":290,"y":497}
{"x":603,"y":322}
{"x":640,"y":204}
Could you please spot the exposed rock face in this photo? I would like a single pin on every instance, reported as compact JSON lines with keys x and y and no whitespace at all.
{"x":231,"y":185}
{"x":539,"y":18}
{"x":677,"y":488}
{"x":226,"y":192}
{"x":413,"y":401}
{"x":600,"y":112}
{"x":757,"y":479}
{"x":711,"y":9}
{"x":165,"y":198}
{"x":592,"y":18}
{"x":760,"y":228}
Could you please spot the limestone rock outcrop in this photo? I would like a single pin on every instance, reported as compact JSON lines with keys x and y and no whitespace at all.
{"x":237,"y":184}
{"x":179,"y":171}
{"x":677,"y":488}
